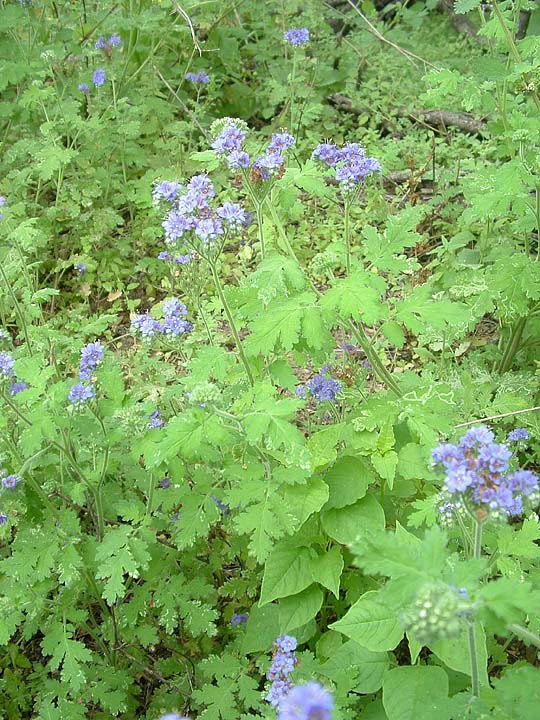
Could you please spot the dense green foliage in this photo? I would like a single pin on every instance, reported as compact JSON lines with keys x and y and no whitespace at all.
{"x":126,"y":549}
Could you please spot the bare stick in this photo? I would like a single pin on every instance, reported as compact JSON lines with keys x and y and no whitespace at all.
{"x":186,"y":17}
{"x":497,"y":417}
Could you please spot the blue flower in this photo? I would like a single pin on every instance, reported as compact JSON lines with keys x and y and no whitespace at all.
{"x":306,"y":702}
{"x":81,"y":268}
{"x":7,"y":365}
{"x":115,"y":40}
{"x":17,"y":387}
{"x":101,"y":43}
{"x":350,"y":163}
{"x":517,"y":435}
{"x":200,"y":77}
{"x":156,"y":422}
{"x":281,"y":141}
{"x":83,"y":87}
{"x":175,"y":225}
{"x":229,"y":139}
{"x":10,"y":482}
{"x":3,"y":201}
{"x":91,"y":357}
{"x":99,"y":77}
{"x":208,"y":229}
{"x":239,"y":619}
{"x":3,"y":518}
{"x":238,"y":159}
{"x":323,"y":387}
{"x":233,"y":214}
{"x":80,"y":393}
{"x":297,"y":36}
{"x":173,"y":716}
{"x":283,"y":663}
{"x":166,"y":190}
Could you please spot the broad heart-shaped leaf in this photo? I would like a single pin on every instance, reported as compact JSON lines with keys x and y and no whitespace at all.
{"x":346,"y":524}
{"x":454,"y":652}
{"x":348,"y":480}
{"x":416,"y":693}
{"x":371,"y":624}
{"x":358,"y":296}
{"x":385,"y":464}
{"x":359,"y":669}
{"x":287,"y":571}
{"x":327,"y":569}
{"x":303,"y":500}
{"x":261,"y":628}
{"x":297,"y":610}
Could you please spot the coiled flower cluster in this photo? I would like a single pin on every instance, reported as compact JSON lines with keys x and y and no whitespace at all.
{"x":229,"y":137}
{"x":91,"y":358}
{"x":283,"y":663}
{"x":478,"y":475}
{"x":173,"y":322}
{"x":438,"y":612}
{"x":296,"y":36}
{"x":192,"y":220}
{"x":350,"y":164}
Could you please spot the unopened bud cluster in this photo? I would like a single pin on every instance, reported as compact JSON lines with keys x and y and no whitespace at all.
{"x":438,"y":613}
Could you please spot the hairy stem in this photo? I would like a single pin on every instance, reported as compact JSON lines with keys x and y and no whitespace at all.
{"x":219,"y":290}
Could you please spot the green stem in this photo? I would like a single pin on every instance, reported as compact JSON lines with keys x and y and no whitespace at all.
{"x":293,"y":74}
{"x":376,"y":363}
{"x":260,"y":231}
{"x":512,"y":346}
{"x":17,"y":308}
{"x":513,"y":49}
{"x":525,"y":634}
{"x":473,"y":652}
{"x":219,"y":290}
{"x":347,"y":232}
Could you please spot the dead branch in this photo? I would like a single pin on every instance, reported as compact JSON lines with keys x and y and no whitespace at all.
{"x":461,"y":23}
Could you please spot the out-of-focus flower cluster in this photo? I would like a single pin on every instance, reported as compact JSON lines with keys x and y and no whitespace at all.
{"x":9,"y":481}
{"x":296,"y":36}
{"x":307,"y":702}
{"x":323,"y":387}
{"x":350,"y":164}
{"x":102,"y":43}
{"x":172,"y":324}
{"x":478,"y":476}
{"x":7,"y":374}
{"x":200,"y":78}
{"x":438,"y":612}
{"x":229,"y":136}
{"x":3,"y":201}
{"x":91,"y":358}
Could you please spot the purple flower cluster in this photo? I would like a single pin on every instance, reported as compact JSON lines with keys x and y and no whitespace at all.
{"x":229,"y":143}
{"x":91,"y":357}
{"x":192,"y":220}
{"x":323,"y":387}
{"x":478,"y":474}
{"x":239,"y":619}
{"x":166,"y":256}
{"x":297,"y":36}
{"x":306,"y":702}
{"x":81,"y":268}
{"x":173,"y":716}
{"x":10,"y":482}
{"x":155,"y":421}
{"x":99,"y":77}
{"x":173,"y":322}
{"x":349,"y":162}
{"x":518,"y":435}
{"x":200,"y":78}
{"x":3,"y":201}
{"x":283,"y":663}
{"x":103,"y":44}
{"x":7,"y":372}
{"x":224,"y":508}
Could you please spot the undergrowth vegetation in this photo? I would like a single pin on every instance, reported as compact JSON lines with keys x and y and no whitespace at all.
{"x":269,"y":371}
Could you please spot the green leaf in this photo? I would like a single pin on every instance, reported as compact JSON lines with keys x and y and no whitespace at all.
{"x":464,"y":6}
{"x":345,"y":524}
{"x":287,"y":571}
{"x":386,"y":466}
{"x":68,"y":653}
{"x":121,"y":553}
{"x":348,"y":480}
{"x":371,"y":624}
{"x":416,"y":693}
{"x":358,"y":296}
{"x":454,"y":652}
{"x":304,"y":500}
{"x":297,"y":610}
{"x":327,"y":569}
{"x":356,"y":668}
{"x":261,"y":628}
